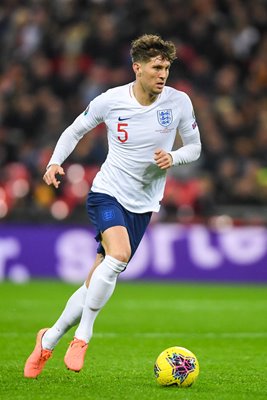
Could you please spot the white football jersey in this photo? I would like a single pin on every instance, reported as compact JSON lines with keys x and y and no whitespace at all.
{"x":134,"y":133}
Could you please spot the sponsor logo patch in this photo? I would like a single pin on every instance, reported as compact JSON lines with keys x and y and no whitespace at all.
{"x":123,"y":119}
{"x":194,"y":125}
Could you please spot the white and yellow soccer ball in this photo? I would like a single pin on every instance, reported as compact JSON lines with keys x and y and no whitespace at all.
{"x":176,"y":366}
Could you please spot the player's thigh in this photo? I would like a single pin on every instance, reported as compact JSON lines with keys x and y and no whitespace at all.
{"x":116,"y":243}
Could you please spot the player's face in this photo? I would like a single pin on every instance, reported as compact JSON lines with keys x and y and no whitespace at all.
{"x":152,"y":75}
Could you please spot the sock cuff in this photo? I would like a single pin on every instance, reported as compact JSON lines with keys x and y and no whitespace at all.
{"x":116,"y":265}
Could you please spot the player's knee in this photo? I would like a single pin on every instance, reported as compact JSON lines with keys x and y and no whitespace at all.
{"x":122,"y":255}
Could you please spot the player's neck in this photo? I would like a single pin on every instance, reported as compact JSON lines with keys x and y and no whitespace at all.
{"x":143,"y":97}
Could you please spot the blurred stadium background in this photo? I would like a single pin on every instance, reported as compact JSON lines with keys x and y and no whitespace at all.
{"x":56,"y":56}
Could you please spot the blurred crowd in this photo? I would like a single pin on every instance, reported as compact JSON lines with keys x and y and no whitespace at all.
{"x":57,"y":55}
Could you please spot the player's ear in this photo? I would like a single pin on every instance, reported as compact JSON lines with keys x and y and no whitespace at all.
{"x":137,"y":68}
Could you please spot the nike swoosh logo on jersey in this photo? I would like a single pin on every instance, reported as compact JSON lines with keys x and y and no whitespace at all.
{"x":123,"y":119}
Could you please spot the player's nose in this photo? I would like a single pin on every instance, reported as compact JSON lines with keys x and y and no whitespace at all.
{"x":163,"y":75}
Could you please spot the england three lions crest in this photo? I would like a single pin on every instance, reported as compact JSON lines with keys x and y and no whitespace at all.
{"x":165,"y":117}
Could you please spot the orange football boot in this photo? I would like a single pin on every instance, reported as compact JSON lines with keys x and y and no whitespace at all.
{"x":75,"y":355}
{"x":36,"y":362}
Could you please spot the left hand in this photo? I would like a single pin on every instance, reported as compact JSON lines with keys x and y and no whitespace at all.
{"x":163,"y":159}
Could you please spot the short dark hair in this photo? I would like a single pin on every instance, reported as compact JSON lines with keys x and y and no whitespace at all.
{"x":148,"y":46}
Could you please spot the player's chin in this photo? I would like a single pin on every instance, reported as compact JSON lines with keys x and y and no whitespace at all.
{"x":158,"y":89}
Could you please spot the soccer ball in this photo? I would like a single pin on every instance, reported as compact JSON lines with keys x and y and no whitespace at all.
{"x":176,"y":366}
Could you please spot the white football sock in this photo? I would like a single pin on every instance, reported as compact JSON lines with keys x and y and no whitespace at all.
{"x":69,"y":317}
{"x":101,"y":287}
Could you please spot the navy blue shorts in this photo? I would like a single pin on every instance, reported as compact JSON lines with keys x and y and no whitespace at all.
{"x":105,"y":211}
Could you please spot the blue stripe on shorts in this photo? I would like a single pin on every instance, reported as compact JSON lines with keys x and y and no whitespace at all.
{"x":105,"y":211}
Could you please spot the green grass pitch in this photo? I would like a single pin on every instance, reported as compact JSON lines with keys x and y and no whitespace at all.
{"x":224,"y":325}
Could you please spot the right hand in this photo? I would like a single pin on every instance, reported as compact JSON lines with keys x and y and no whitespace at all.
{"x":50,"y":175}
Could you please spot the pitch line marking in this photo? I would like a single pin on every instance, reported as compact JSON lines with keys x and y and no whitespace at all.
{"x":151,"y":335}
{"x":207,"y":335}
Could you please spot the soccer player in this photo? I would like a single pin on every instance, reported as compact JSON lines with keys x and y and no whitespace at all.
{"x":142,"y":120}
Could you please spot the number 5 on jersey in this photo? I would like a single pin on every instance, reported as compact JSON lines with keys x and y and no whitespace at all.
{"x":123,"y":134}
